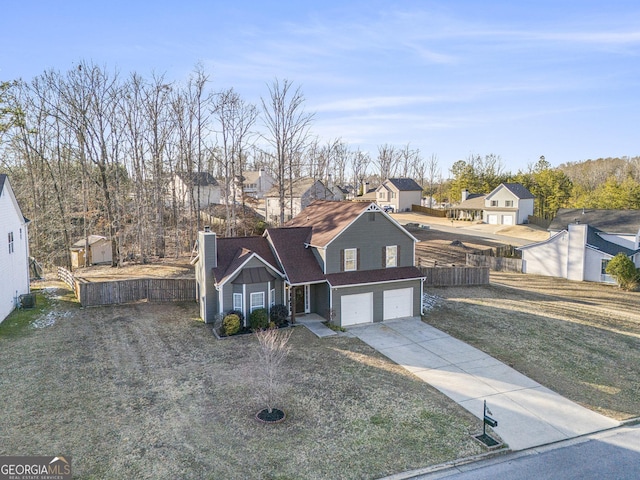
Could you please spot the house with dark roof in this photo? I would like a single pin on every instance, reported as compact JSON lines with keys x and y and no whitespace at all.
{"x":198,"y":188}
{"x":14,"y":250}
{"x":399,"y":194}
{"x":507,"y":204}
{"x":345,"y":261}
{"x":583,"y":242}
{"x":298,"y":194}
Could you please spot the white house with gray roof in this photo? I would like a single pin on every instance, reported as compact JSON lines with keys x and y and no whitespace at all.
{"x":399,"y":193}
{"x":583,"y":242}
{"x":508,"y":204}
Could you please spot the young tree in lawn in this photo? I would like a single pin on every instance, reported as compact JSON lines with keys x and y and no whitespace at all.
{"x":273,"y":349}
{"x":288,"y":126}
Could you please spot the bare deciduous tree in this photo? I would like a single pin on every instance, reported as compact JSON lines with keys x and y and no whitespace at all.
{"x":288,"y":125}
{"x":273,"y":349}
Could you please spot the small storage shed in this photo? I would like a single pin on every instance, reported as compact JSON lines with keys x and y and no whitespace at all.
{"x":99,"y":251}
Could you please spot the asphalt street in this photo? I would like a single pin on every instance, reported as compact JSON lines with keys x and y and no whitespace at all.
{"x":613,"y":454}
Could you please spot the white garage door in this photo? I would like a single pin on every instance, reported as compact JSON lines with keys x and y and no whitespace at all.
{"x":356,"y":309}
{"x":398,"y":303}
{"x":492,"y":219}
{"x":507,"y":220}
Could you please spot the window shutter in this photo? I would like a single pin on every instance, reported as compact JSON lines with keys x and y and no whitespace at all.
{"x":398,"y":264}
{"x":384,"y":257}
{"x":357,"y":259}
{"x":342,"y":260}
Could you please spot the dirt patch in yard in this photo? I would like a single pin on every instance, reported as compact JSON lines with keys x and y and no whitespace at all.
{"x":146,"y":391}
{"x":158,"y":268}
{"x":580,"y":339}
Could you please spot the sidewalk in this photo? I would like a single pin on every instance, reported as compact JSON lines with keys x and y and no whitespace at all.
{"x":528,"y":414}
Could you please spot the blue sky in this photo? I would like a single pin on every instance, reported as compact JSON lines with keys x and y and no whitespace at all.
{"x":518,"y":79}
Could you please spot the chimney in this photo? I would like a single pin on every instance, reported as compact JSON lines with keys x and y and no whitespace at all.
{"x":465,"y":194}
{"x":207,"y":261}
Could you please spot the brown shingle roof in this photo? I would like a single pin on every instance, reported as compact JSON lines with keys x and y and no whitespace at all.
{"x":328,"y":218}
{"x":373,"y":276}
{"x":298,"y":262}
{"x":234,"y":251}
{"x":610,"y":221}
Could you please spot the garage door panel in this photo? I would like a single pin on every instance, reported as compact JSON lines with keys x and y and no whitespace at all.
{"x":492,"y":219}
{"x":356,"y":309}
{"x":398,"y":303}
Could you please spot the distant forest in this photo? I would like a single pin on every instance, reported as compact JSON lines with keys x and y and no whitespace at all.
{"x":89,"y":151}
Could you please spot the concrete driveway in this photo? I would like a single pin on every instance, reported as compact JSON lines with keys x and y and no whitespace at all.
{"x":528,"y":414}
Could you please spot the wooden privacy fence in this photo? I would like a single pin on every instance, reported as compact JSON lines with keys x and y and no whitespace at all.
{"x":455,"y":276}
{"x":434,"y":212}
{"x":127,"y":291}
{"x":497,"y":264}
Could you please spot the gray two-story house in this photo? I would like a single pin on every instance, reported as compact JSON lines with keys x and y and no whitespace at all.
{"x":348,"y":262}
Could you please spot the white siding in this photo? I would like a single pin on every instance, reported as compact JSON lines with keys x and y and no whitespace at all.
{"x":14,"y":267}
{"x":547,"y":258}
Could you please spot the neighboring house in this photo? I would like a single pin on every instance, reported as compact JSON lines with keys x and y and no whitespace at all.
{"x":582,"y":242}
{"x":471,"y":207}
{"x":399,"y":193}
{"x":304,"y":191}
{"x":14,"y":250}
{"x":348,"y":262}
{"x":100,"y":251}
{"x":257,"y":183}
{"x":202,"y":185}
{"x":508,"y":204}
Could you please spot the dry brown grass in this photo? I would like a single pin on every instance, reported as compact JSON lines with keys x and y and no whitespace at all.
{"x":580,"y":339}
{"x":146,"y":391}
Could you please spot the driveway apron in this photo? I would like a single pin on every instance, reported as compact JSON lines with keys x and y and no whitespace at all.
{"x":528,"y":414}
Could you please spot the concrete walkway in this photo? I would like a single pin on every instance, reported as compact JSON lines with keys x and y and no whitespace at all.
{"x":528,"y":414}
{"x":315,"y":324}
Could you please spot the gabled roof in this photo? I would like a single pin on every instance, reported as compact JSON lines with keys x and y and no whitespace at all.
{"x":234,"y":252}
{"x":201,"y":179}
{"x":92,"y":239}
{"x":610,"y":221}
{"x":328,"y":218}
{"x":594,"y":240}
{"x":519,"y":190}
{"x":251,"y":176}
{"x":404,"y":184}
{"x":300,"y":187}
{"x":2,"y":178}
{"x":298,"y":261}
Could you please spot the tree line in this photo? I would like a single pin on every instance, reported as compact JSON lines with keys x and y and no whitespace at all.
{"x":611,"y":183}
{"x":91,"y":151}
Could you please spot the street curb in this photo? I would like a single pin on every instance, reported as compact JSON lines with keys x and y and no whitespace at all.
{"x":443,"y":467}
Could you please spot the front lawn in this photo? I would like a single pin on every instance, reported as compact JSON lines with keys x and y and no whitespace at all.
{"x":580,"y":339}
{"x":146,"y":391}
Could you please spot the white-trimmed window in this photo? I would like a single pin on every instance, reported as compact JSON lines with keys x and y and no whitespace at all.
{"x":494,"y":203}
{"x":350,"y":259}
{"x":391,"y":256}
{"x":11,"y":242}
{"x":237,"y":302}
{"x":257,"y":301}
{"x":273,"y":297}
{"x":508,"y":203}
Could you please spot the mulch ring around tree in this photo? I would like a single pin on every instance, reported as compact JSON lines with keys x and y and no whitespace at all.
{"x":274,"y":416}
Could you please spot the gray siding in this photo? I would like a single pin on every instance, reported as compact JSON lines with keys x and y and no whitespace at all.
{"x":320,"y":299}
{"x":378,"y":296}
{"x":370,"y":237}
